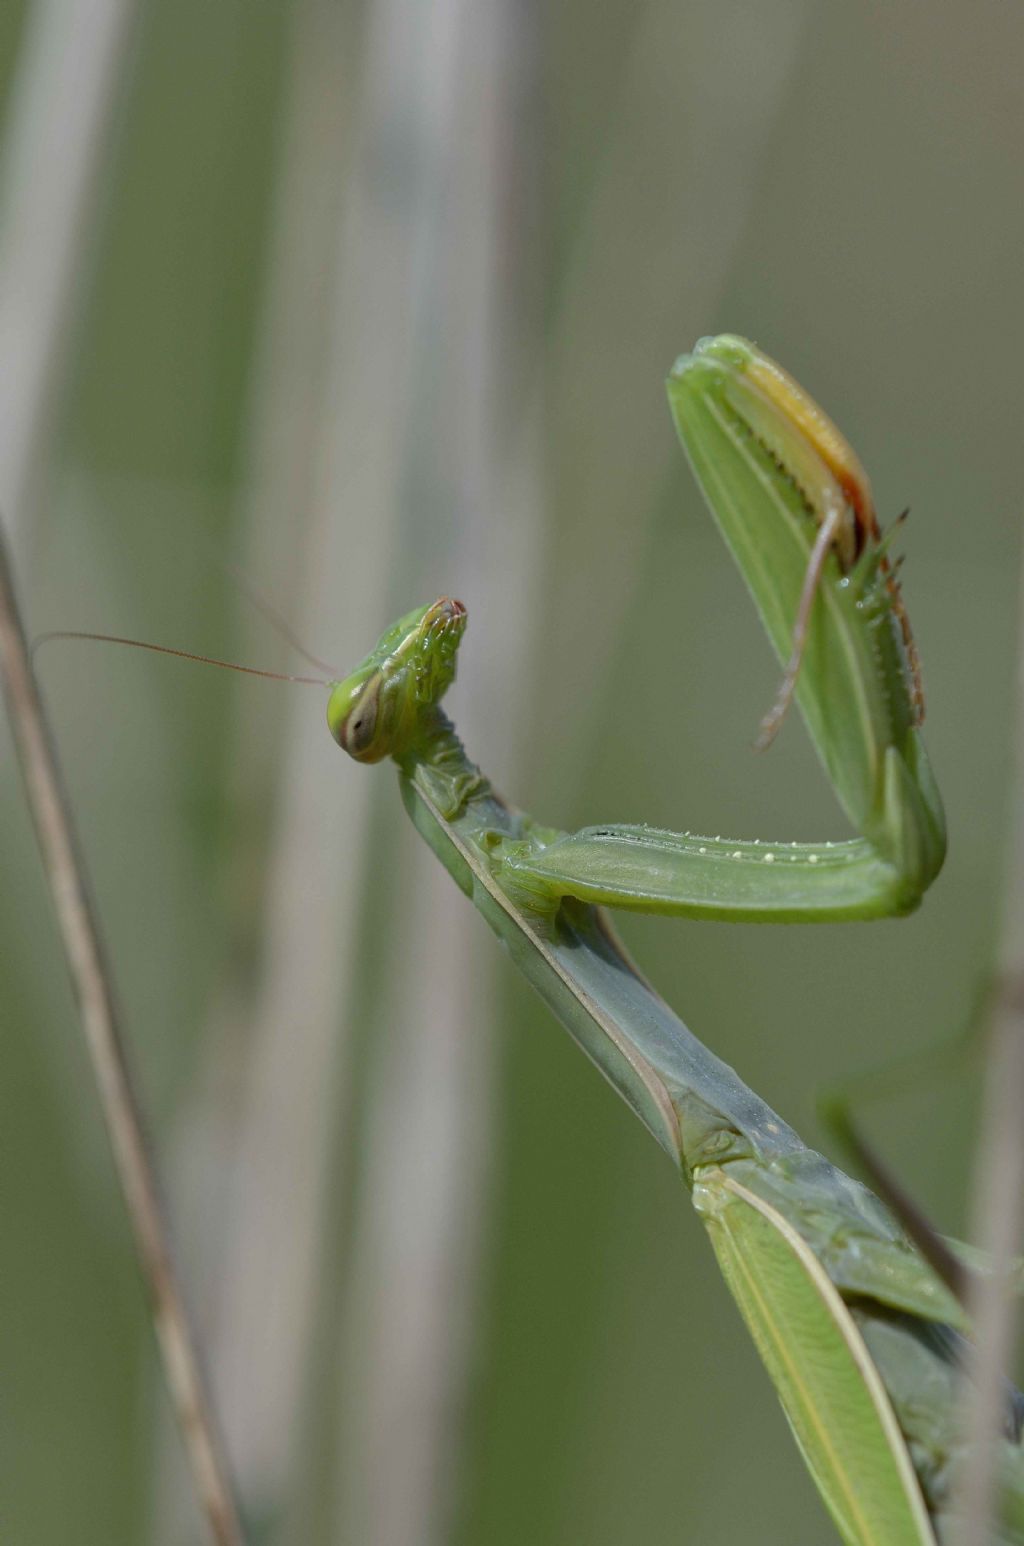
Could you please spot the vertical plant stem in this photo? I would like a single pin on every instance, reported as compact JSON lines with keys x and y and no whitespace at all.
{"x":63,"y":99}
{"x":92,"y":982}
{"x":997,"y":1210}
{"x":998,"y":1216}
{"x":276,"y":1036}
{"x":438,"y":140}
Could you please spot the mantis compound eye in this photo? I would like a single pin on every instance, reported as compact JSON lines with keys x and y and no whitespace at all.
{"x":353,"y":711}
{"x":360,"y":724}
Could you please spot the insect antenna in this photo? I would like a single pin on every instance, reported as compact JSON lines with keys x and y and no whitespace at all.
{"x":265,"y":607}
{"x":276,"y":619}
{"x":167,"y":649}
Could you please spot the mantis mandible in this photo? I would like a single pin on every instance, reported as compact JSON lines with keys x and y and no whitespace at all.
{"x":859,"y":1335}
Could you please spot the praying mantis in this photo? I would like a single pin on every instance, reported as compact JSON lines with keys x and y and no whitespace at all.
{"x":859,"y":1335}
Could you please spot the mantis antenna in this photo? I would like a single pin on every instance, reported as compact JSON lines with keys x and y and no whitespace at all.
{"x":276,"y":619}
{"x":166,"y":649}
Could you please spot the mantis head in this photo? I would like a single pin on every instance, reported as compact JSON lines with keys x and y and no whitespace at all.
{"x":381,"y":708}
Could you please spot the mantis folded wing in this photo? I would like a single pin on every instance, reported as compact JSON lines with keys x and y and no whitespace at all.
{"x":858,"y":1334}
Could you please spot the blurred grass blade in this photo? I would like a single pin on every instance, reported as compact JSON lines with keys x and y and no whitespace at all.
{"x":93,"y":986}
{"x":54,"y":159}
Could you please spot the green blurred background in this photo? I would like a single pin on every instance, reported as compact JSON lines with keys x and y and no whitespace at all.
{"x":374,"y":300}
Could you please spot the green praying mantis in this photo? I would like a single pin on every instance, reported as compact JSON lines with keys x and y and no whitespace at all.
{"x":859,"y":1335}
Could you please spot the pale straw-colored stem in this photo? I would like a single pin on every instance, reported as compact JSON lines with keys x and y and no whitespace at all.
{"x":93,"y":986}
{"x":997,"y":1220}
{"x":997,"y":1206}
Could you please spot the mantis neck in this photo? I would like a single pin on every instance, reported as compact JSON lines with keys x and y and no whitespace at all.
{"x":437,"y":763}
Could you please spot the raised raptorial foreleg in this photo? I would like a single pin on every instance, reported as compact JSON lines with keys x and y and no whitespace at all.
{"x":795,"y":508}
